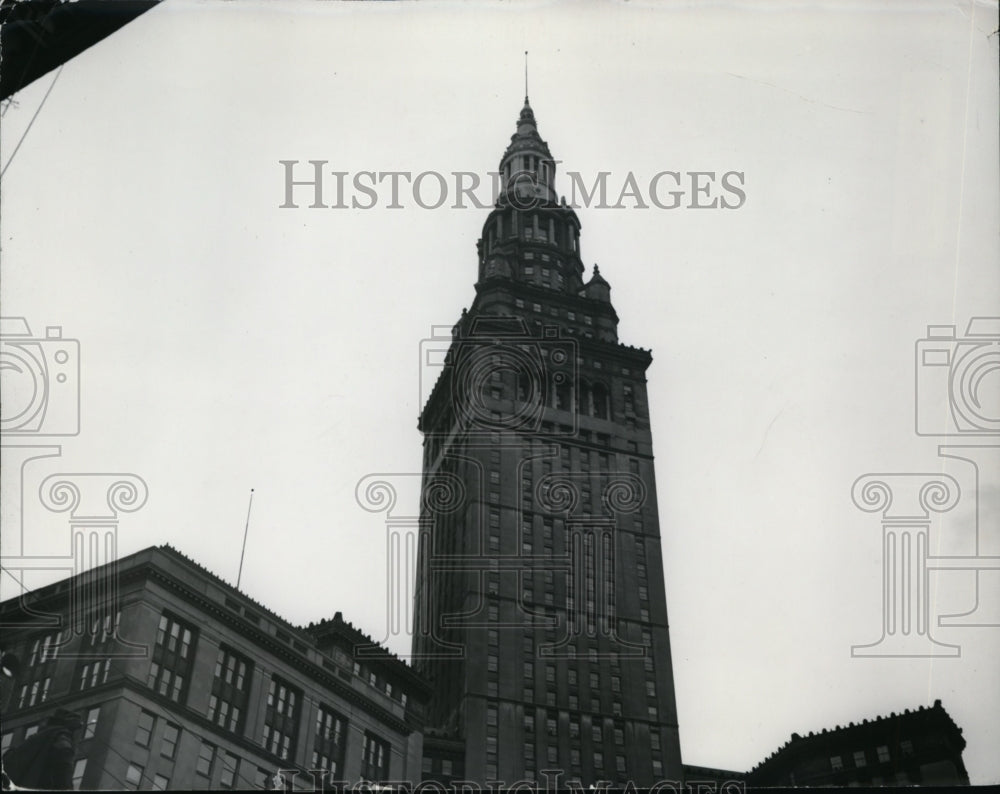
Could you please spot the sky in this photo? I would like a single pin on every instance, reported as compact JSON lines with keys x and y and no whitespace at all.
{"x":227,"y":343}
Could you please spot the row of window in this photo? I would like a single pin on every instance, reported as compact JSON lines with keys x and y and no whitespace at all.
{"x":169,"y":674}
{"x":377,"y":681}
{"x":860,"y":757}
{"x":328,"y":749}
{"x":555,"y":312}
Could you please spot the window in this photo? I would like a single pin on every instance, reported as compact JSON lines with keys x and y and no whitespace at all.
{"x":104,"y":627}
{"x":94,"y":673}
{"x":7,"y":738}
{"x":629,"y":399}
{"x":168,"y":742}
{"x":172,"y":656}
{"x":550,"y":726}
{"x":280,"y":719}
{"x":906,"y":747}
{"x":599,"y":397}
{"x":144,"y":730}
{"x":552,"y":754}
{"x":883,"y":753}
{"x":596,"y":732}
{"x":79,"y":768}
{"x":160,"y":783}
{"x":90,"y":726}
{"x":374,"y":758}
{"x":30,"y":731}
{"x":328,"y":745}
{"x":228,"y":701}
{"x":206,"y":758}
{"x":132,"y":776}
{"x":38,"y":671}
{"x":836,"y":763}
{"x":859,"y":758}
{"x":35,"y":692}
{"x":230,"y":769}
{"x":620,"y":764}
{"x":45,"y":649}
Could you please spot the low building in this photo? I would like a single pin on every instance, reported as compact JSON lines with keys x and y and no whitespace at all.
{"x":922,"y":747}
{"x":712,"y":779}
{"x":184,"y":682}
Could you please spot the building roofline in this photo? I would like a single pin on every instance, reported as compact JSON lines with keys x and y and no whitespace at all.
{"x":796,"y":741}
{"x":148,"y":556}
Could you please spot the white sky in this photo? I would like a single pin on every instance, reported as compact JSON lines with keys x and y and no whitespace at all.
{"x":229,"y":344}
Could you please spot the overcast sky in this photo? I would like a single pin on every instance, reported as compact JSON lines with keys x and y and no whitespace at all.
{"x":227,"y":343}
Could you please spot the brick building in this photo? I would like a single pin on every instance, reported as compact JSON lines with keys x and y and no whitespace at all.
{"x":188,"y":683}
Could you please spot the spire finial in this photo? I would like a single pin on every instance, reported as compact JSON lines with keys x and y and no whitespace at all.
{"x":525,"y":76}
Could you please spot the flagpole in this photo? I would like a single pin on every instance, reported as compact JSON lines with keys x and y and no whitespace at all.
{"x":246,"y":530}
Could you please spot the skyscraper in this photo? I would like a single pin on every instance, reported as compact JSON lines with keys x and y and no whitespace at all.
{"x":540,"y":611}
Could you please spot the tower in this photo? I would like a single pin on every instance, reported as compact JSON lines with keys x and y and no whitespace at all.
{"x":540,"y":610}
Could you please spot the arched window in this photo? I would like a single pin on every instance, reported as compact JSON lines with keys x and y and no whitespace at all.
{"x":599,"y":395}
{"x":584,"y":406}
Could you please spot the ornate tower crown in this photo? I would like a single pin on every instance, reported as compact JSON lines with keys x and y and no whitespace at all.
{"x":527,"y":166}
{"x":529,"y":224}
